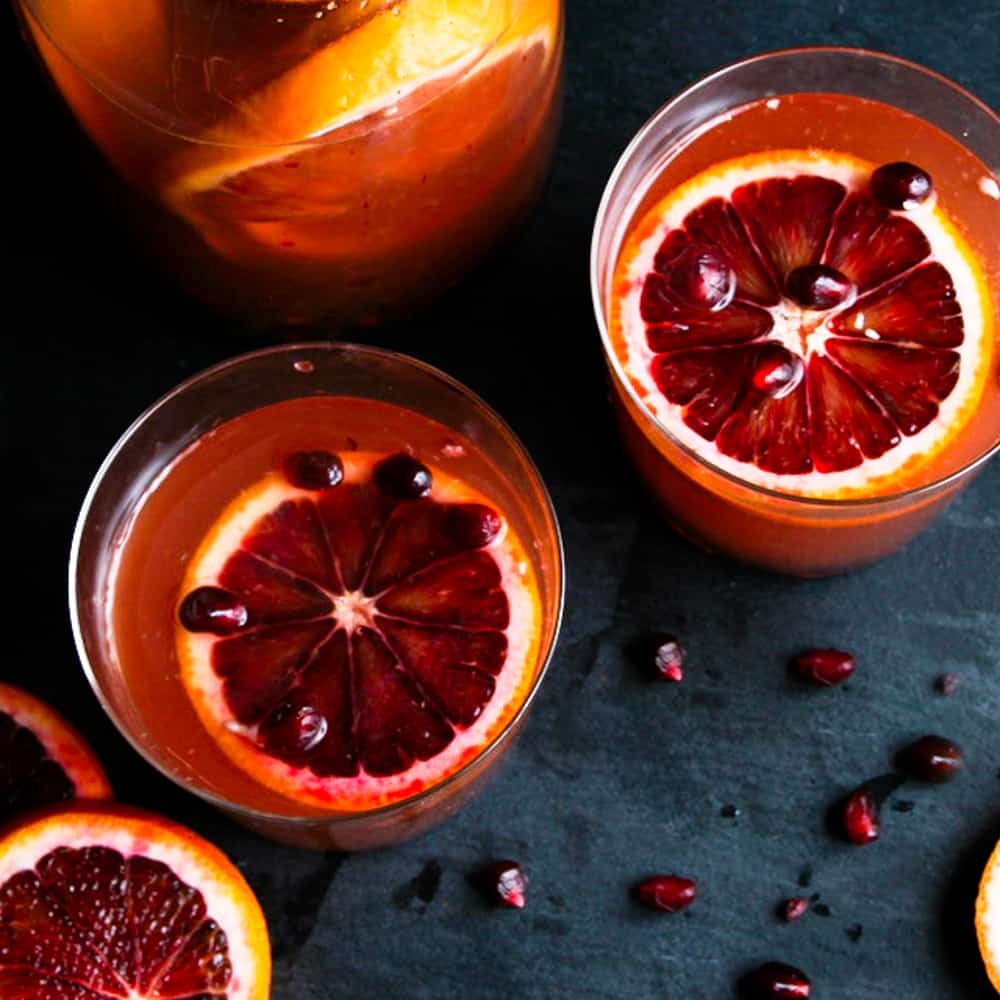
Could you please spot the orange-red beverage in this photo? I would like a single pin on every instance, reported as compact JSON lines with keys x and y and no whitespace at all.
{"x":328,"y":612}
{"x":799,"y":292}
{"x":307,"y":160}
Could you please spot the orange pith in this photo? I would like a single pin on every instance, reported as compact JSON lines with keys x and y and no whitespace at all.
{"x":111,"y":902}
{"x":892,"y":375}
{"x":46,"y":759}
{"x":462,"y":635}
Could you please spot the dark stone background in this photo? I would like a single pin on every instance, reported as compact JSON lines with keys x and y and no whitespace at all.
{"x":614,"y":778}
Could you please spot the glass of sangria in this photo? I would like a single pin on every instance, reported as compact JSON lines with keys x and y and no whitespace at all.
{"x":796,"y":275}
{"x":319,"y":586}
{"x":307,"y":160}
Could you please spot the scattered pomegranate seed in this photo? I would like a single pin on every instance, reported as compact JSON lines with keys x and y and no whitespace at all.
{"x":314,"y":470}
{"x":667,"y":893}
{"x":776,"y":981}
{"x":931,"y":758}
{"x":817,"y":286}
{"x":901,"y":186}
{"x":947,"y":684}
{"x":701,"y":277}
{"x":403,"y":477}
{"x":293,"y":729}
{"x":826,"y":667}
{"x":664,"y":655}
{"x":505,"y":883}
{"x":861,"y":819}
{"x":792,"y":909}
{"x":214,"y":610}
{"x":779,"y":373}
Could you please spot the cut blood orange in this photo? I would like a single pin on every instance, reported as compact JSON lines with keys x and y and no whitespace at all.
{"x":350,"y":645}
{"x":785,"y":325}
{"x":43,"y":760}
{"x":105,"y":902}
{"x":988,"y":918}
{"x":288,"y":173}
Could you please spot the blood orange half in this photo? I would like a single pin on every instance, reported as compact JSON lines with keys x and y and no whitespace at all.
{"x":354,"y":629}
{"x":43,"y":759}
{"x":105,"y":902}
{"x":790,"y":327}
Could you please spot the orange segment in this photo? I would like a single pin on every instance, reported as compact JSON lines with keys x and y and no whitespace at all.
{"x":43,"y":759}
{"x":108,"y":902}
{"x":352,"y":645}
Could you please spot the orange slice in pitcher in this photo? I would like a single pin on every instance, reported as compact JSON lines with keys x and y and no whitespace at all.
{"x":351,"y":639}
{"x":272,"y":176}
{"x":795,"y":326}
{"x":43,"y":759}
{"x":102,"y":903}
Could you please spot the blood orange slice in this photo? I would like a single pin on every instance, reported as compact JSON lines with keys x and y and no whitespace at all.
{"x":259,"y":182}
{"x":350,"y":645}
{"x":988,"y":917}
{"x":101,"y":903}
{"x":43,"y":760}
{"x":791,"y":329}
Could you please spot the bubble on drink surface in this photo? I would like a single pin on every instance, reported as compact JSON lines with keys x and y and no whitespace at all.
{"x":989,"y":187}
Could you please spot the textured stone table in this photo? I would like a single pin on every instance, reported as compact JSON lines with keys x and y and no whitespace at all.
{"x":614,"y":778}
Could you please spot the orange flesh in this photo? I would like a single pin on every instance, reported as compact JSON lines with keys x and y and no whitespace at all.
{"x":179,"y":514}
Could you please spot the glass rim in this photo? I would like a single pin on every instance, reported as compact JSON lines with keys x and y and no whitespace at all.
{"x":347,"y":347}
{"x":162,"y":121}
{"x":601,"y":223}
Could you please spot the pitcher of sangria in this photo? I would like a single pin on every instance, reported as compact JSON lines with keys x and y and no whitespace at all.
{"x":308,"y":160}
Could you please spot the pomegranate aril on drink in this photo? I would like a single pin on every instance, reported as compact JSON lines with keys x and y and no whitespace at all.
{"x":932,"y":758}
{"x":314,"y":470}
{"x":667,"y":893}
{"x":213,"y":610}
{"x":473,"y":525}
{"x":825,"y":667}
{"x":816,"y":286}
{"x":901,"y":186}
{"x":291,"y":731}
{"x":792,"y":909}
{"x":778,"y":373}
{"x":776,"y":981}
{"x":861,"y":819}
{"x":402,"y":477}
{"x":700,"y":276}
{"x":505,"y":883}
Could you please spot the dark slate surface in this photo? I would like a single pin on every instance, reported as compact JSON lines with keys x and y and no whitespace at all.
{"x":614,"y":778}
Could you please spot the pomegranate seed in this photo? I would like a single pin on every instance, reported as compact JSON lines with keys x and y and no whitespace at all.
{"x":701,"y":276}
{"x":666,"y":656}
{"x":505,"y":883}
{"x":667,"y":893}
{"x":861,"y":820}
{"x":901,"y":186}
{"x":779,"y":373}
{"x":947,"y":684}
{"x":825,"y":667}
{"x":403,"y":477}
{"x":817,"y":286}
{"x":214,"y":610}
{"x":473,"y":525}
{"x":931,"y":758}
{"x":776,"y":981}
{"x":293,"y":729}
{"x":314,"y":470}
{"x":792,"y":909}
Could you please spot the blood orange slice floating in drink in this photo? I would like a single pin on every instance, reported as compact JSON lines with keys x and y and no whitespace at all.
{"x":43,"y":760}
{"x":355,"y":628}
{"x":786,"y":323}
{"x":105,"y":902}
